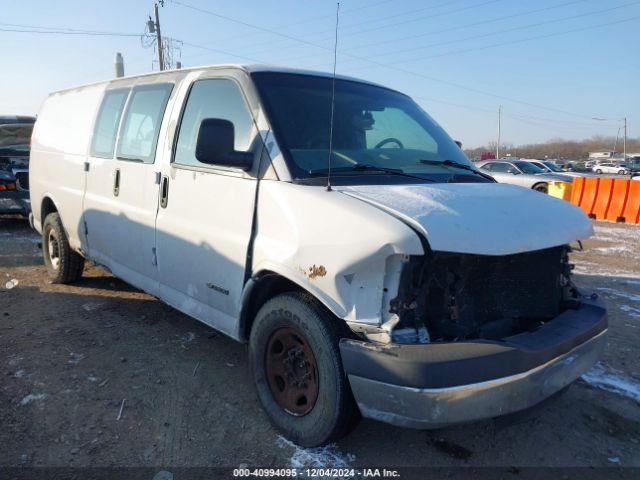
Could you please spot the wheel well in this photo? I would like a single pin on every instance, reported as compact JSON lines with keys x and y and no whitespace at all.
{"x":263,"y":287}
{"x":47,"y":207}
{"x":540,"y":184}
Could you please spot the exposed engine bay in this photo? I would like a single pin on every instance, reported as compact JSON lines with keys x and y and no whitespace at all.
{"x":452,"y":296}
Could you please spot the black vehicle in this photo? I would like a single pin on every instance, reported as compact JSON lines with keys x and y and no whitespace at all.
{"x":15,"y":135}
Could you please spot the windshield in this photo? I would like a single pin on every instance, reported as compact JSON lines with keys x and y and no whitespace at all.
{"x":373,"y":126}
{"x":553,"y":167}
{"x":527,"y":167}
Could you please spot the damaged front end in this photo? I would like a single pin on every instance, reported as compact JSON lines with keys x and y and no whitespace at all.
{"x":452,"y":297}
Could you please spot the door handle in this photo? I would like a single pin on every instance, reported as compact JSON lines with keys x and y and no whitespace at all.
{"x":116,"y":183}
{"x":164,"y":192}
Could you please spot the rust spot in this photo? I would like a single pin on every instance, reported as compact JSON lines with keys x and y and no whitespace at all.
{"x":319,"y":271}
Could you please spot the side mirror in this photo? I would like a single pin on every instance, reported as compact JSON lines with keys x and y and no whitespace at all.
{"x":459,"y":143}
{"x":215,"y":144}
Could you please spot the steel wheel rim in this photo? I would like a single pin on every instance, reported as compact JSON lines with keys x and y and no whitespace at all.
{"x":292,"y":371}
{"x":53,"y":248}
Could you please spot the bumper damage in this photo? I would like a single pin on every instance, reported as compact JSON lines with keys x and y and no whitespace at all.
{"x":434,"y":385}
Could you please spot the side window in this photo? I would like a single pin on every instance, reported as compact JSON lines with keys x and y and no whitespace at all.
{"x":501,"y":167}
{"x":215,"y":98}
{"x":104,"y":133}
{"x":139,"y":133}
{"x":488,"y":166}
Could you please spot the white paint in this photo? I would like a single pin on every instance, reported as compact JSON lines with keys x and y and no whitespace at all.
{"x":32,"y":398}
{"x":484,"y":219}
{"x":328,"y":456}
{"x":607,"y":378}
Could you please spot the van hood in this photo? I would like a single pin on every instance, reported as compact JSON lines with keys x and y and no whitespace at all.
{"x":482,"y":218}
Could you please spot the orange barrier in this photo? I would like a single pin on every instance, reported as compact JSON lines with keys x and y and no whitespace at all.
{"x":631,"y":213}
{"x":618,"y":200}
{"x":603,"y":198}
{"x":589,"y":194}
{"x":576,"y":190}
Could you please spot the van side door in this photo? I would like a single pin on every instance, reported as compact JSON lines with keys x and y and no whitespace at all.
{"x":97,"y":203}
{"x":205,"y":217}
{"x":136,"y":182}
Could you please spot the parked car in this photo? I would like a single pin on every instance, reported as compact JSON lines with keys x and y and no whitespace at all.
{"x":609,"y":167}
{"x":15,"y":135}
{"x":522,"y":173}
{"x":552,"y":168}
{"x":377,"y":274}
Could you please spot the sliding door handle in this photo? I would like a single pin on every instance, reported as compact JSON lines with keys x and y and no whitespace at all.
{"x":164,"y":192}
{"x":116,"y":182}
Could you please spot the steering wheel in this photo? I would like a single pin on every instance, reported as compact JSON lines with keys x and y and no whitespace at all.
{"x":389,"y":140}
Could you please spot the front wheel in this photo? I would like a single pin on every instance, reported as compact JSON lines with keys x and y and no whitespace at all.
{"x":599,"y":172}
{"x":541,"y":187}
{"x":294,"y":357}
{"x":63,"y":264}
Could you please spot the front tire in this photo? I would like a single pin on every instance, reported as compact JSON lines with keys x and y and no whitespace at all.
{"x":295,"y":362}
{"x":541,"y":187}
{"x":63,"y":264}
{"x":599,"y":172}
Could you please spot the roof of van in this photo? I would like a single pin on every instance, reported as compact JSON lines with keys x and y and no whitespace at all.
{"x":247,"y":68}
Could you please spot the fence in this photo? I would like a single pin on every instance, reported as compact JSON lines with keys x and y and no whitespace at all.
{"x":613,"y":199}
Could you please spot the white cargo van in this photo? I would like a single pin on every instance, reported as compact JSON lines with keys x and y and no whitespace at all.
{"x":414,"y":290}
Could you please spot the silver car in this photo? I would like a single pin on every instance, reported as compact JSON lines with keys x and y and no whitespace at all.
{"x":553,"y":168}
{"x":520,"y":172}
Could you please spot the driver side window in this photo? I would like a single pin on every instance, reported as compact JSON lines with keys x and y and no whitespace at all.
{"x":501,"y":167}
{"x":386,"y":127}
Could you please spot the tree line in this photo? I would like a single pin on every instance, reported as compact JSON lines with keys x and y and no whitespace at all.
{"x":559,"y":148}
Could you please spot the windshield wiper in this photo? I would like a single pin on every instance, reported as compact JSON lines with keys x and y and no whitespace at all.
{"x":361,"y":167}
{"x":452,"y":163}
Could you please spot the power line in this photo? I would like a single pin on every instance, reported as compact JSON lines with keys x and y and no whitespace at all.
{"x":384,"y":65}
{"x":508,"y":30}
{"x":65,"y":29}
{"x":467,"y":25}
{"x":65,"y":32}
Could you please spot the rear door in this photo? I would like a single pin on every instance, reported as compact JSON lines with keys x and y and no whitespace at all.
{"x":203,"y":227}
{"x":99,"y":200}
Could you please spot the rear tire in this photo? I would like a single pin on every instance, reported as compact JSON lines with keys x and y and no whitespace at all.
{"x":322,"y":408}
{"x":63,"y":264}
{"x":599,"y":172}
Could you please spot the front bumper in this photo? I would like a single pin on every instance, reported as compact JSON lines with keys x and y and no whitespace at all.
{"x":434,"y":385}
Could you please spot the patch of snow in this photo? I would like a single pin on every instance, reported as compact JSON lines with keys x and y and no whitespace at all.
{"x":607,"y":378}
{"x":74,"y":358}
{"x":31,"y":398}
{"x":620,"y":293}
{"x":92,"y":378}
{"x":632,"y":311}
{"x":328,"y":456}
{"x":15,"y":359}
{"x":89,"y":307}
{"x":614,"y":459}
{"x":20,"y":374}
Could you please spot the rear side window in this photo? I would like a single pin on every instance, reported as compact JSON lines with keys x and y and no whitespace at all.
{"x":104,"y":134}
{"x":141,"y":125}
{"x":501,"y":167}
{"x":216,"y":98}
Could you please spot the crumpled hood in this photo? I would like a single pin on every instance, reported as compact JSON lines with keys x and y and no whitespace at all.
{"x":480,"y":218}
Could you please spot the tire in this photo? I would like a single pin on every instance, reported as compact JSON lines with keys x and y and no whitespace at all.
{"x":63,"y":264}
{"x":332,"y":412}
{"x":599,"y":172}
{"x":541,"y":187}
{"x":622,"y":172}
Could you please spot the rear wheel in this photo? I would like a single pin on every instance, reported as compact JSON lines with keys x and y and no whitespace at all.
{"x":63,"y":264}
{"x":295,"y":361}
{"x":599,"y":172}
{"x":541,"y":187}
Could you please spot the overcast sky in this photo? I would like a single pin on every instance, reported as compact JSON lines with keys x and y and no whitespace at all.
{"x":552,"y":64}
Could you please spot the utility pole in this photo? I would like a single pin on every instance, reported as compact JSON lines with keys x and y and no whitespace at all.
{"x":624,"y":155}
{"x":159,"y":38}
{"x":499,"y":131}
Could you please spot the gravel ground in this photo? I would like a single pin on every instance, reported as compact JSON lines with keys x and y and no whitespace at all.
{"x":99,"y":374}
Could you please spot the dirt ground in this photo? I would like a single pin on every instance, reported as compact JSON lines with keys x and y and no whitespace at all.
{"x":100,"y":374}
